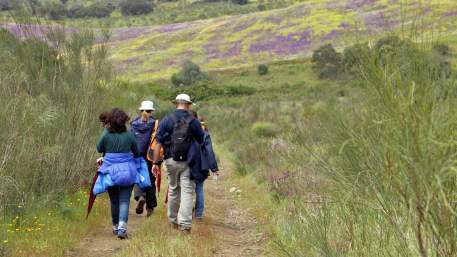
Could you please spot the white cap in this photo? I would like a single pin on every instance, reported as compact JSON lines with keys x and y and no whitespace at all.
{"x":183,"y":98}
{"x":146,"y":106}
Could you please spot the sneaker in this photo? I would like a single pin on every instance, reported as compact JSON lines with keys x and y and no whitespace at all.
{"x":140,"y":207}
{"x":122,"y":234}
{"x":149,"y":212}
{"x":115,"y":230}
{"x":199,"y":218}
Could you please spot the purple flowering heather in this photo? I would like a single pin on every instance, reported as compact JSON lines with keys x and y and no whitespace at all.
{"x":357,"y":4}
{"x":333,"y":34}
{"x":23,"y":31}
{"x":234,"y":49}
{"x":122,"y":34}
{"x":171,"y":27}
{"x":240,"y":26}
{"x":274,"y":20}
{"x":450,"y":14}
{"x":284,"y":45}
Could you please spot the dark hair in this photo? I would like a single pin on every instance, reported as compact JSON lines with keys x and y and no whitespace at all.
{"x":104,"y":118}
{"x":193,"y":113}
{"x":116,"y":120}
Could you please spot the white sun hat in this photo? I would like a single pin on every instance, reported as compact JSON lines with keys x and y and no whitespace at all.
{"x":147,"y":106}
{"x":183,"y":98}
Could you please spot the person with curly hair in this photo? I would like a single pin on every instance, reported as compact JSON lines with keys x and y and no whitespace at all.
{"x":119,"y":147}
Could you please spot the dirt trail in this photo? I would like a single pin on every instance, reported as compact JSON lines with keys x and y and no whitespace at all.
{"x":233,"y":226}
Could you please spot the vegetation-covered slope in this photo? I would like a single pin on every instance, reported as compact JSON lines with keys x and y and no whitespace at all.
{"x":144,"y":53}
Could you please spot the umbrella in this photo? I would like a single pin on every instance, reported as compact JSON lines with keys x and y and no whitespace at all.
{"x":91,"y":193}
{"x":159,"y":180}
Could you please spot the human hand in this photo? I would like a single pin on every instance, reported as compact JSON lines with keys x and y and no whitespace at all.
{"x":155,"y":170}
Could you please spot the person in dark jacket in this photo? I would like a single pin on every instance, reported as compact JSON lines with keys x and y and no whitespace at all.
{"x":201,"y":160}
{"x":142,"y":127}
{"x":116,"y":140}
{"x":181,"y":187}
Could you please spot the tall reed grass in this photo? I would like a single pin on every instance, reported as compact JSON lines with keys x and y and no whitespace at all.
{"x":51,"y":91}
{"x":389,"y":161}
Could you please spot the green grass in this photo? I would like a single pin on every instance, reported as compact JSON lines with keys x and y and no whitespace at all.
{"x":51,"y":229}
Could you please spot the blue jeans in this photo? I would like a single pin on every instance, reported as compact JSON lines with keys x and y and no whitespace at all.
{"x":199,"y":199}
{"x":120,"y":202}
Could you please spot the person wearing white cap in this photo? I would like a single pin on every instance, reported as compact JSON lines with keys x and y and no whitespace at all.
{"x":175,"y":135}
{"x":142,"y":127}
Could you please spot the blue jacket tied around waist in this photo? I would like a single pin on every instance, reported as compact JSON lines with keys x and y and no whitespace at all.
{"x":121,"y":169}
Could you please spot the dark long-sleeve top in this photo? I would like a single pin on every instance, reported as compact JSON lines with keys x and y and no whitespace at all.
{"x":166,"y":129}
{"x":117,"y":143}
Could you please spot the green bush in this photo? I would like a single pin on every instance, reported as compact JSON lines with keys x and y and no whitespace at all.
{"x":136,"y":7}
{"x":241,"y":2}
{"x":264,"y":129}
{"x":5,"y":5}
{"x":54,"y":10}
{"x":327,"y":62}
{"x":262,"y":69}
{"x":189,"y":74}
{"x":354,"y":56}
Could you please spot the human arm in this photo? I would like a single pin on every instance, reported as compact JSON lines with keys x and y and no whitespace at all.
{"x":211,"y":156}
{"x":101,"y":142}
{"x":155,"y":163}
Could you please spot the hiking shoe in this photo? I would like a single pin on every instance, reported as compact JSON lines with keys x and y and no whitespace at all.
{"x":199,"y":218}
{"x":140,"y":207}
{"x":173,"y":226}
{"x":149,"y":212}
{"x":185,"y":230}
{"x":122,"y":234}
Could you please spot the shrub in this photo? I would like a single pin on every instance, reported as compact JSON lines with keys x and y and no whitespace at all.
{"x":354,"y":56}
{"x":5,"y":5}
{"x":327,"y":62}
{"x":99,"y":10}
{"x":241,"y":2}
{"x":262,"y":69}
{"x":264,"y":129}
{"x":135,"y":7}
{"x":54,"y":10}
{"x":189,"y":74}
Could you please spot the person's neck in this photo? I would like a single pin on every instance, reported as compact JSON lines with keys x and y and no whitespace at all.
{"x":181,"y":108}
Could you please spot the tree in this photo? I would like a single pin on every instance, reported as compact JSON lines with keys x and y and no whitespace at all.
{"x":189,"y":74}
{"x":327,"y":62}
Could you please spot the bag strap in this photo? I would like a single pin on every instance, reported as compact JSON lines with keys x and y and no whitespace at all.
{"x":154,"y":133}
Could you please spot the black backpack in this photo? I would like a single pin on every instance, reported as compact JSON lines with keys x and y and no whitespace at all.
{"x":181,"y":138}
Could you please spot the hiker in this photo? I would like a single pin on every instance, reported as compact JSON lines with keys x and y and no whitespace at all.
{"x":175,"y":135}
{"x":142,"y":127}
{"x":201,"y":159}
{"x":120,"y":170}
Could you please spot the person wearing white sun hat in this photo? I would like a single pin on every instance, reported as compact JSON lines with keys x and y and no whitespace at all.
{"x":142,"y":127}
{"x":175,"y":135}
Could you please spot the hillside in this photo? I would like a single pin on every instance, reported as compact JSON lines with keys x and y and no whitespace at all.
{"x":145,"y":53}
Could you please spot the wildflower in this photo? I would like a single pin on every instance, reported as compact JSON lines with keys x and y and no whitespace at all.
{"x":5,"y":241}
{"x":19,"y":206}
{"x":17,"y":229}
{"x":49,"y":214}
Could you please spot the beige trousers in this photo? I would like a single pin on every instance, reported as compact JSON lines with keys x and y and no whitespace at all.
{"x":180,"y":193}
